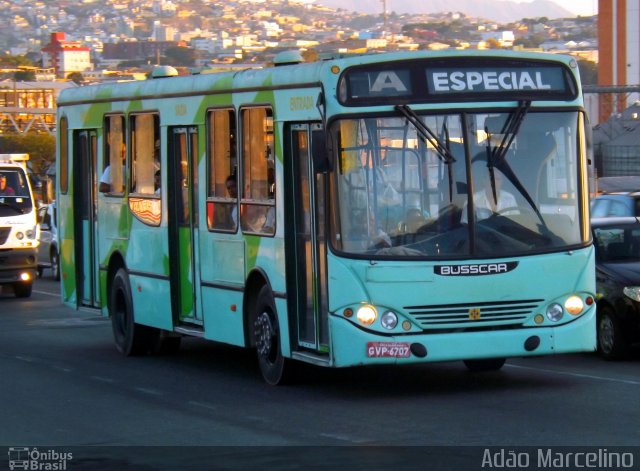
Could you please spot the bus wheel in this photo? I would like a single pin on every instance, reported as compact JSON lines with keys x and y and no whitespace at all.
{"x":55,"y":265}
{"x":491,"y":364}
{"x":611,"y":342}
{"x":23,"y":289}
{"x":130,"y":338}
{"x":267,"y":339}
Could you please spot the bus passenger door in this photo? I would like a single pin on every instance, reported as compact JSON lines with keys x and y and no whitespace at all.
{"x":183,"y":223}
{"x":305,"y":241}
{"x":84,"y":202}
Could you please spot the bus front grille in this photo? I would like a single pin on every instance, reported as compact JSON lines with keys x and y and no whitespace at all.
{"x":486,"y":315}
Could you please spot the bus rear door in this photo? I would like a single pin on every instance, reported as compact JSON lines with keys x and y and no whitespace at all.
{"x":183,"y":224}
{"x":84,"y":164}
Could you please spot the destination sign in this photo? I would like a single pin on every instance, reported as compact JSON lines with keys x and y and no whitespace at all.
{"x":380,"y":83}
{"x":434,"y":80}
{"x":495,"y":80}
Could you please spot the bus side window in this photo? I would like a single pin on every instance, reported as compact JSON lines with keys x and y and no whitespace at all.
{"x":259,"y":181}
{"x":145,"y":153}
{"x":113,"y":172}
{"x":222,"y":186}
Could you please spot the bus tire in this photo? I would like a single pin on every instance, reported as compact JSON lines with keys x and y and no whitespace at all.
{"x":489,"y":364}
{"x":55,"y":265}
{"x":130,"y":338}
{"x":23,"y":289}
{"x":266,"y":334}
{"x":611,"y":342}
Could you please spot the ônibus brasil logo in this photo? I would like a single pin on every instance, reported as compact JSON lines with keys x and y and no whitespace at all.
{"x":34,"y":459}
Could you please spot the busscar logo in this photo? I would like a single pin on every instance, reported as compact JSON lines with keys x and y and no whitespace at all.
{"x":475,"y":269}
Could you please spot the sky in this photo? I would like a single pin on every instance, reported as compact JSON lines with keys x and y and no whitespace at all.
{"x":579,"y":7}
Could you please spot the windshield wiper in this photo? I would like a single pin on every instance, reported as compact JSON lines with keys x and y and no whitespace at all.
{"x":428,"y":136}
{"x":496,"y":156}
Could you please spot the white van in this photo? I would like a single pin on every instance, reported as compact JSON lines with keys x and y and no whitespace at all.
{"x":19,"y":230}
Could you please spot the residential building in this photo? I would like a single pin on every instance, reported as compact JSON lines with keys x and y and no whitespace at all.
{"x":65,"y":57}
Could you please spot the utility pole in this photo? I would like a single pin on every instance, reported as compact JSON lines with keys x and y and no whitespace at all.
{"x":384,"y":16}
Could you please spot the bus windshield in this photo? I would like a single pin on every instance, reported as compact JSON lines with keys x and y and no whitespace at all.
{"x":14,"y":192}
{"x":482,"y":184}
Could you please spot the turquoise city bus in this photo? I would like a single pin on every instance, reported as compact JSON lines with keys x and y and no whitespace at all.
{"x":391,"y":208}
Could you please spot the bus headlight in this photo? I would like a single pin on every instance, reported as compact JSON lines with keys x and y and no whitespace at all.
{"x":31,"y":234}
{"x":574,"y":305}
{"x":554,"y":312}
{"x":19,"y":235}
{"x":389,"y":320}
{"x":367,"y":314}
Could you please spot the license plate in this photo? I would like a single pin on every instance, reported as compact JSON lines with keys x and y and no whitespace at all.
{"x":388,"y":349}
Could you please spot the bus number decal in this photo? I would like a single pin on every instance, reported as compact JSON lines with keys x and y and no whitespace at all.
{"x":301,"y":103}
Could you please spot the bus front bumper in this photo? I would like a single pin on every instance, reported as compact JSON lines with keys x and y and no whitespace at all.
{"x":17,"y":265}
{"x":353,"y":346}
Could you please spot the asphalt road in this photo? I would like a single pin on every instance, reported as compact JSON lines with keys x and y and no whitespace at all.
{"x":64,"y":386}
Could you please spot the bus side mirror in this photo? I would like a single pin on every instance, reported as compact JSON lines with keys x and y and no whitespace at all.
{"x":320,"y":152}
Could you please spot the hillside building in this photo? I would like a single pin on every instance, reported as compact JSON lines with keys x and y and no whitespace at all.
{"x":65,"y":57}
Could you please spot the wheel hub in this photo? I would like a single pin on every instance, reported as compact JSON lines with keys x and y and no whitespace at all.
{"x":265,"y":334}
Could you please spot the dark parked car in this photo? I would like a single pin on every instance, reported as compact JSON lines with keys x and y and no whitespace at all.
{"x":48,"y":254}
{"x":617,"y":242}
{"x":616,"y":205}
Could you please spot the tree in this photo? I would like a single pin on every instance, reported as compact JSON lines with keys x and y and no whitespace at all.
{"x":76,"y":77}
{"x":532,"y":41}
{"x":493,"y":44}
{"x":14,"y":61}
{"x":40,"y":147}
{"x":24,"y":76}
{"x":588,"y":72}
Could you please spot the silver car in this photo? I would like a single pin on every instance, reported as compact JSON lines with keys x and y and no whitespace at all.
{"x":48,"y":254}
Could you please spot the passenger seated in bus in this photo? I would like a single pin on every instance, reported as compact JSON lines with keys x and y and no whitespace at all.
{"x":232,"y":188}
{"x":106,"y":180}
{"x":104,"y":186}
{"x":156,"y":182}
{"x":5,"y":190}
{"x":485,"y":204}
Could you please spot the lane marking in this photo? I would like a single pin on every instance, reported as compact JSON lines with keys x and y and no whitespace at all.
{"x":27,"y":359}
{"x":204,"y":405}
{"x":578,"y":375}
{"x":46,"y":293}
{"x":344,"y":438}
{"x":102,"y":379}
{"x":149,"y":391}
